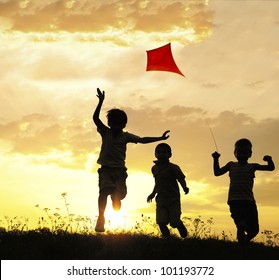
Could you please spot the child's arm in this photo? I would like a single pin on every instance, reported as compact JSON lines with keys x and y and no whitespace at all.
{"x":152,"y":195}
{"x":96,"y":115}
{"x":218,"y":171}
{"x":183,"y":185}
{"x":154,"y":192}
{"x":267,"y":167}
{"x":145,"y":140}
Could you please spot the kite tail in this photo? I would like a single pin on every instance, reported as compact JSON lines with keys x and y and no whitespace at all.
{"x":211,"y":132}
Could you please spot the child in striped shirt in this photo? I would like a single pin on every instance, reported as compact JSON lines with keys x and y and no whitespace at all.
{"x":241,"y":199}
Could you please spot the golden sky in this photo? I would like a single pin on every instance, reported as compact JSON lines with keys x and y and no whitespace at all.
{"x":54,"y":54}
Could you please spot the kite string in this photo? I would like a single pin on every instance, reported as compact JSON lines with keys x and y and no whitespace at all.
{"x":211,"y":132}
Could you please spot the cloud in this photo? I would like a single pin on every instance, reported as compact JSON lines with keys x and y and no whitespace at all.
{"x":190,"y":137}
{"x":190,"y":19}
{"x":179,"y":111}
{"x":49,"y":140}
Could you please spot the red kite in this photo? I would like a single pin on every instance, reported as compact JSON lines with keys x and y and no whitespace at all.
{"x":161,"y":59}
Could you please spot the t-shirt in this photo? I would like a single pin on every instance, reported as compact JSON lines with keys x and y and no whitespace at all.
{"x":241,"y":182}
{"x":113,"y":149}
{"x":166,"y":176}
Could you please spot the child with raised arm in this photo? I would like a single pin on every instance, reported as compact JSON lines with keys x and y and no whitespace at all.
{"x":241,"y":199}
{"x":166,"y":190}
{"x":113,"y":172}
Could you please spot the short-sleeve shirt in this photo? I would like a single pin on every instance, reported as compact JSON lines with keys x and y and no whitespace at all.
{"x":167,"y":187}
{"x":113,"y":149}
{"x":241,"y":182}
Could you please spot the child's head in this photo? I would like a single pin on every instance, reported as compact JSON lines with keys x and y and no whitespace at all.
{"x":243,"y":149}
{"x":117,"y":119}
{"x":163,"y":151}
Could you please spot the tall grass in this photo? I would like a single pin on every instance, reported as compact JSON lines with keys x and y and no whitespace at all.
{"x":53,"y":222}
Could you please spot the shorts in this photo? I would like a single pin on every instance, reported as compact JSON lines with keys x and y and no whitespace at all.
{"x":245,"y":215}
{"x":169,"y":214}
{"x":112,"y":180}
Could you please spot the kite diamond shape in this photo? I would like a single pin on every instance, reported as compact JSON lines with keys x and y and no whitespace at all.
{"x":161,"y":59}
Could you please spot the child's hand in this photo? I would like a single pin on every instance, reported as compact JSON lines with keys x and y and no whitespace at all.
{"x":186,"y":190}
{"x":216,"y":155}
{"x":267,"y":158}
{"x":165,"y":136}
{"x":100,"y":95}
{"x":150,"y":197}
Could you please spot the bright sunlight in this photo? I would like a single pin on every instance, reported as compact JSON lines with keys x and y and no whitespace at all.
{"x":115,"y":219}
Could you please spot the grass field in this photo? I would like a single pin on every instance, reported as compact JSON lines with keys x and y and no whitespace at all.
{"x":73,"y":237}
{"x":33,"y":245}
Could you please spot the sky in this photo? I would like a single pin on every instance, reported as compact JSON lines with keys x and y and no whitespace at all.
{"x":55,"y":54}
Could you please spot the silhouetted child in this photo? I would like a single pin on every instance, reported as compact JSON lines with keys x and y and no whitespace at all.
{"x":241,"y":199}
{"x":112,"y":173}
{"x":166,"y":189}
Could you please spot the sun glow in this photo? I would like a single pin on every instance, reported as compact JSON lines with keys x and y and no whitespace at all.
{"x":115,"y":219}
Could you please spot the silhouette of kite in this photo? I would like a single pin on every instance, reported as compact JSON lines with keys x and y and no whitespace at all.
{"x":161,"y":59}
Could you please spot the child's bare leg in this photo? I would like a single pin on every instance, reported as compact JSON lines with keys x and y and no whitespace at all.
{"x":164,"y":230}
{"x":241,"y":237}
{"x":102,"y":203}
{"x":182,"y":230}
{"x":116,"y":201}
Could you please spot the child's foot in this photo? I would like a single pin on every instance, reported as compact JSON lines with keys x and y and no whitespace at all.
{"x":100,"y":224}
{"x":182,"y":230}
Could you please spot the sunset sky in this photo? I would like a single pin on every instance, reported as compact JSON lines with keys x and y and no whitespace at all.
{"x":54,"y":54}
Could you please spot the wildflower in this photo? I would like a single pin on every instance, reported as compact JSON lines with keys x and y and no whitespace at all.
{"x":64,"y":194}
